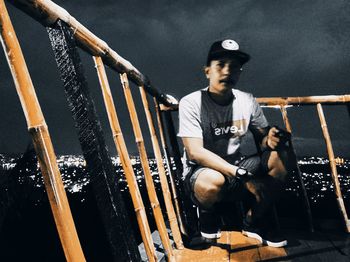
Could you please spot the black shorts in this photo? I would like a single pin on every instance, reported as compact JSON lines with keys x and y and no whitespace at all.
{"x":255,"y":164}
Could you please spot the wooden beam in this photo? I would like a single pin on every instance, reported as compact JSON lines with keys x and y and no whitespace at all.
{"x":47,"y":13}
{"x":125,"y":161}
{"x":334,"y":171}
{"x":146,"y":169}
{"x":173,"y":182}
{"x":174,"y":225}
{"x":304,"y":100}
{"x":41,"y":139}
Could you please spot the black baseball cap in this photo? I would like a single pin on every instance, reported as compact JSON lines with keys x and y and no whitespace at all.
{"x":227,"y":48}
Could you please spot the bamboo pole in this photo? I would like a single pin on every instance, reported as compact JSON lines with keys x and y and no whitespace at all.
{"x":286,"y":119}
{"x":332,"y":163}
{"x":298,"y":172}
{"x":305,"y":100}
{"x":284,"y":101}
{"x":174,"y":226}
{"x":41,"y":138}
{"x":125,"y":161}
{"x":169,"y":123}
{"x":146,"y":169}
{"x":167,"y":161}
{"x":47,"y":13}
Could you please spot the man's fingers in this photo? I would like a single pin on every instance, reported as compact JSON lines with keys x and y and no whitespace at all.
{"x":275,"y":139}
{"x":272,"y":144}
{"x":273,"y":131}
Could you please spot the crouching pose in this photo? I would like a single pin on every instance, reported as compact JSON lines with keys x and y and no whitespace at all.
{"x":212,"y":122}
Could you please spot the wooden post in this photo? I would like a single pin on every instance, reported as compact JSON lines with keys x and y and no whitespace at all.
{"x":41,"y":138}
{"x":332,"y":163}
{"x":103,"y":178}
{"x":167,"y":161}
{"x":298,"y":172}
{"x":146,"y":169}
{"x":285,"y":119}
{"x":189,"y":213}
{"x":173,"y":141}
{"x":125,"y":161}
{"x":174,"y":226}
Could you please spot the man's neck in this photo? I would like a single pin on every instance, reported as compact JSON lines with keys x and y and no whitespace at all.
{"x":224,"y":97}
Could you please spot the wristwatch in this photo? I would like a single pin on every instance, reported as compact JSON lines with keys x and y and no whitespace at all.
{"x":241,"y":172}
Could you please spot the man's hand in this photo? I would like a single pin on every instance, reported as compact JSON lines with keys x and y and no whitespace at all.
{"x":197,"y":153}
{"x":277,"y":138}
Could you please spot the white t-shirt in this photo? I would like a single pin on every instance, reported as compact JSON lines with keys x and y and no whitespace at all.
{"x":220,"y":127}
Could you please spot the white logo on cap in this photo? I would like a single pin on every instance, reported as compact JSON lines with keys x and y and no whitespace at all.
{"x":230,"y":45}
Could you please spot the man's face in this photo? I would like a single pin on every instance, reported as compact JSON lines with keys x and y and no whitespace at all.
{"x":223,"y":73}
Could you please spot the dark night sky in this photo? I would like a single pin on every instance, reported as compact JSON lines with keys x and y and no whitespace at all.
{"x":298,"y":48}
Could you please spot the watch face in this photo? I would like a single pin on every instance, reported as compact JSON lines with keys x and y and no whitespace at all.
{"x":241,"y":172}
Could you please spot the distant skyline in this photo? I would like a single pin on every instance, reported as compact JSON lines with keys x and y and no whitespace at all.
{"x":298,"y":48}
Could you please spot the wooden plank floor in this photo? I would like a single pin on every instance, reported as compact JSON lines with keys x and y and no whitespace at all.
{"x":318,"y":246}
{"x":232,"y":246}
{"x":302,"y":246}
{"x":214,"y":253}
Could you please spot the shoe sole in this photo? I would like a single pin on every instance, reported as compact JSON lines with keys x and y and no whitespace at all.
{"x":253,"y":235}
{"x":276,"y":244}
{"x":211,"y":236}
{"x":263,"y":241}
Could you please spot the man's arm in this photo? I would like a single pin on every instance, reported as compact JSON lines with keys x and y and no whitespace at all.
{"x":197,"y":153}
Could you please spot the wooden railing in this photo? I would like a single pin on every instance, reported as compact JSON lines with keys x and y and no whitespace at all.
{"x":283,"y":103}
{"x":49,"y":14}
{"x":37,"y":127}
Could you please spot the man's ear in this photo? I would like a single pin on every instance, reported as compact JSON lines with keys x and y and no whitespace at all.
{"x":206,"y":71}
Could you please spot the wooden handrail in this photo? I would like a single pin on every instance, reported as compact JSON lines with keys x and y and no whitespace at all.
{"x":304,"y":100}
{"x":292,"y":101}
{"x":47,"y":13}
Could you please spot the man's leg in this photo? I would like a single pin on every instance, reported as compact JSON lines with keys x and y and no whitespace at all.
{"x":207,"y":187}
{"x":267,"y":188}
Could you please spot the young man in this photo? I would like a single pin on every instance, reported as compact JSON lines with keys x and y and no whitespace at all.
{"x":212,"y":122}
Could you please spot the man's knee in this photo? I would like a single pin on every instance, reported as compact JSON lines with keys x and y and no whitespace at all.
{"x":208,"y":187}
